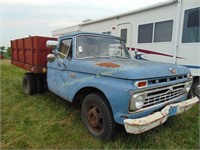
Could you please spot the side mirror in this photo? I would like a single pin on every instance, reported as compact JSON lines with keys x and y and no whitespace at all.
{"x":51,"y":57}
{"x":51,"y":44}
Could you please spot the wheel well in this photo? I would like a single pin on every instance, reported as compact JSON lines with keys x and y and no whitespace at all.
{"x":80,"y":95}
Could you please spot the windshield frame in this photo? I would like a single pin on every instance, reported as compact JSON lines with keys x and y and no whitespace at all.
{"x":104,"y":36}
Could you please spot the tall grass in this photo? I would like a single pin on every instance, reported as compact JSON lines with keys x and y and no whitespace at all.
{"x":45,"y":121}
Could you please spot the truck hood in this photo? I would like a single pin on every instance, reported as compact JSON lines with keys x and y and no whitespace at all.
{"x":127,"y":68}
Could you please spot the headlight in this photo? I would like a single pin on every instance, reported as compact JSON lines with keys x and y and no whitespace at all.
{"x":187,"y":86}
{"x":137,"y":101}
{"x":189,"y":76}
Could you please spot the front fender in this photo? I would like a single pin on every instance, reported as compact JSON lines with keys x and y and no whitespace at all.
{"x":117,"y":92}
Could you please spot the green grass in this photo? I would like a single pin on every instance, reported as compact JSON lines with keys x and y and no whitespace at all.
{"x":45,"y":121}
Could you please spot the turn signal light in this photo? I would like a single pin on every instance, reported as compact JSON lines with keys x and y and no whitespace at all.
{"x":141,"y":84}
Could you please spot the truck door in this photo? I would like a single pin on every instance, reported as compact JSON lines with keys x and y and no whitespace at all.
{"x":58,"y":70}
{"x":124,"y":31}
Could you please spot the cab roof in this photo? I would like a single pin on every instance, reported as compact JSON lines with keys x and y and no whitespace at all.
{"x":86,"y":33}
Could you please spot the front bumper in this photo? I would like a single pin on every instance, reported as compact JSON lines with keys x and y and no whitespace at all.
{"x":140,"y":125}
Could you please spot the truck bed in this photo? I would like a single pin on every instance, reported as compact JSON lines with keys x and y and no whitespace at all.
{"x":30,"y":53}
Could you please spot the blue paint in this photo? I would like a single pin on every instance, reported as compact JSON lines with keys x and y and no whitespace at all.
{"x":139,"y":57}
{"x":192,"y":67}
{"x":135,"y":69}
{"x":172,"y":111}
{"x":117,"y":84}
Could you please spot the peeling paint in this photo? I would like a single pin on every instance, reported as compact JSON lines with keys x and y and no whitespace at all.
{"x":137,"y":126}
{"x":108,"y":65}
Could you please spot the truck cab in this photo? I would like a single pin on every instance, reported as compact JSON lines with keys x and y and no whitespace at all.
{"x":97,"y":72}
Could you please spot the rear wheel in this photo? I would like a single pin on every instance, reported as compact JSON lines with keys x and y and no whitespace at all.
{"x":97,"y":117}
{"x":40,"y":82}
{"x":29,"y":84}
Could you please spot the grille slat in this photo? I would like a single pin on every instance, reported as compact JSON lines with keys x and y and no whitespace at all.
{"x":162,"y":80}
{"x":163,"y":95}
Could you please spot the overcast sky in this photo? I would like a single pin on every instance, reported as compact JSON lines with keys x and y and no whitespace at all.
{"x":21,"y":18}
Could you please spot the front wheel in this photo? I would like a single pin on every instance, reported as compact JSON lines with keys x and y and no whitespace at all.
{"x":97,"y":117}
{"x":195,"y":90}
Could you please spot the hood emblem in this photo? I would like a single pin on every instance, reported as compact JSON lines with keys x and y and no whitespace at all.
{"x":172,"y":70}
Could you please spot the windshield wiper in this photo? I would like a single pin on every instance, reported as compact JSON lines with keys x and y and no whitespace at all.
{"x":119,"y":57}
{"x":101,"y":56}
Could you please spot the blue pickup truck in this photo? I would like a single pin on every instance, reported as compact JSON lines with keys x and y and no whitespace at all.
{"x":96,"y":71}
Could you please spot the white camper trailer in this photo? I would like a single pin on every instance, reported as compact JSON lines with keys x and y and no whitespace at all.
{"x":166,"y":32}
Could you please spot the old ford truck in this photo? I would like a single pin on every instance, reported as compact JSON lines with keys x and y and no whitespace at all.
{"x":97,"y":72}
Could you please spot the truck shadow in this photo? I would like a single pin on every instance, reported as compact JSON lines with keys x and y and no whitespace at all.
{"x":75,"y":110}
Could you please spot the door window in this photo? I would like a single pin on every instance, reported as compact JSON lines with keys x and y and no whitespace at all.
{"x":65,"y":48}
{"x":124,"y":34}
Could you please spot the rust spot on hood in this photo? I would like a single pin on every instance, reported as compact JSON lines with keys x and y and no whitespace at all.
{"x":108,"y":65}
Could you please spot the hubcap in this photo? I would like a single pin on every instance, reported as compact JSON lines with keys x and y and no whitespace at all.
{"x":95,"y":119}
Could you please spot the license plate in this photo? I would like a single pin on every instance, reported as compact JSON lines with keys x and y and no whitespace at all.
{"x":172,"y":111}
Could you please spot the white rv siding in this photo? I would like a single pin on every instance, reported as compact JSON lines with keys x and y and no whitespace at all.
{"x":154,"y":16}
{"x":62,"y":31}
{"x":171,"y":51}
{"x":99,"y":27}
{"x":189,"y":51}
{"x":143,"y":17}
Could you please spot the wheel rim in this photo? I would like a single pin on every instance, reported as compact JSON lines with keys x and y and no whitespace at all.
{"x":95,"y":119}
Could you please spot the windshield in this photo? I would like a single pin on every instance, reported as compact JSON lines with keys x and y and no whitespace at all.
{"x":100,"y":46}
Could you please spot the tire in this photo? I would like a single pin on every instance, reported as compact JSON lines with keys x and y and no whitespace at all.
{"x":97,"y":117}
{"x":40,"y":82}
{"x":29,"y":84}
{"x":195,"y":89}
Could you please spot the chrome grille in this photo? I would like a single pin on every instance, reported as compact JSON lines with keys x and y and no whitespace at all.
{"x":161,"y":80}
{"x":163,"y":95}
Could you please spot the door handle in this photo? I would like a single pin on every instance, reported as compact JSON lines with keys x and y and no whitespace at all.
{"x":72,"y":75}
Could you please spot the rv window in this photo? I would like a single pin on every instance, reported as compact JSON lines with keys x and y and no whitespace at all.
{"x":124,"y":34}
{"x":64,"y":48}
{"x":163,"y":31}
{"x":145,"y":33}
{"x":108,"y":32}
{"x":191,"y":26}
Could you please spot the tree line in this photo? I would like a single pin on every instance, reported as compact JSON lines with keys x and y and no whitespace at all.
{"x":5,"y":51}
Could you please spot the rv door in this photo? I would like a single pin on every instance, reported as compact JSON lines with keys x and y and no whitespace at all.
{"x":124,"y":31}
